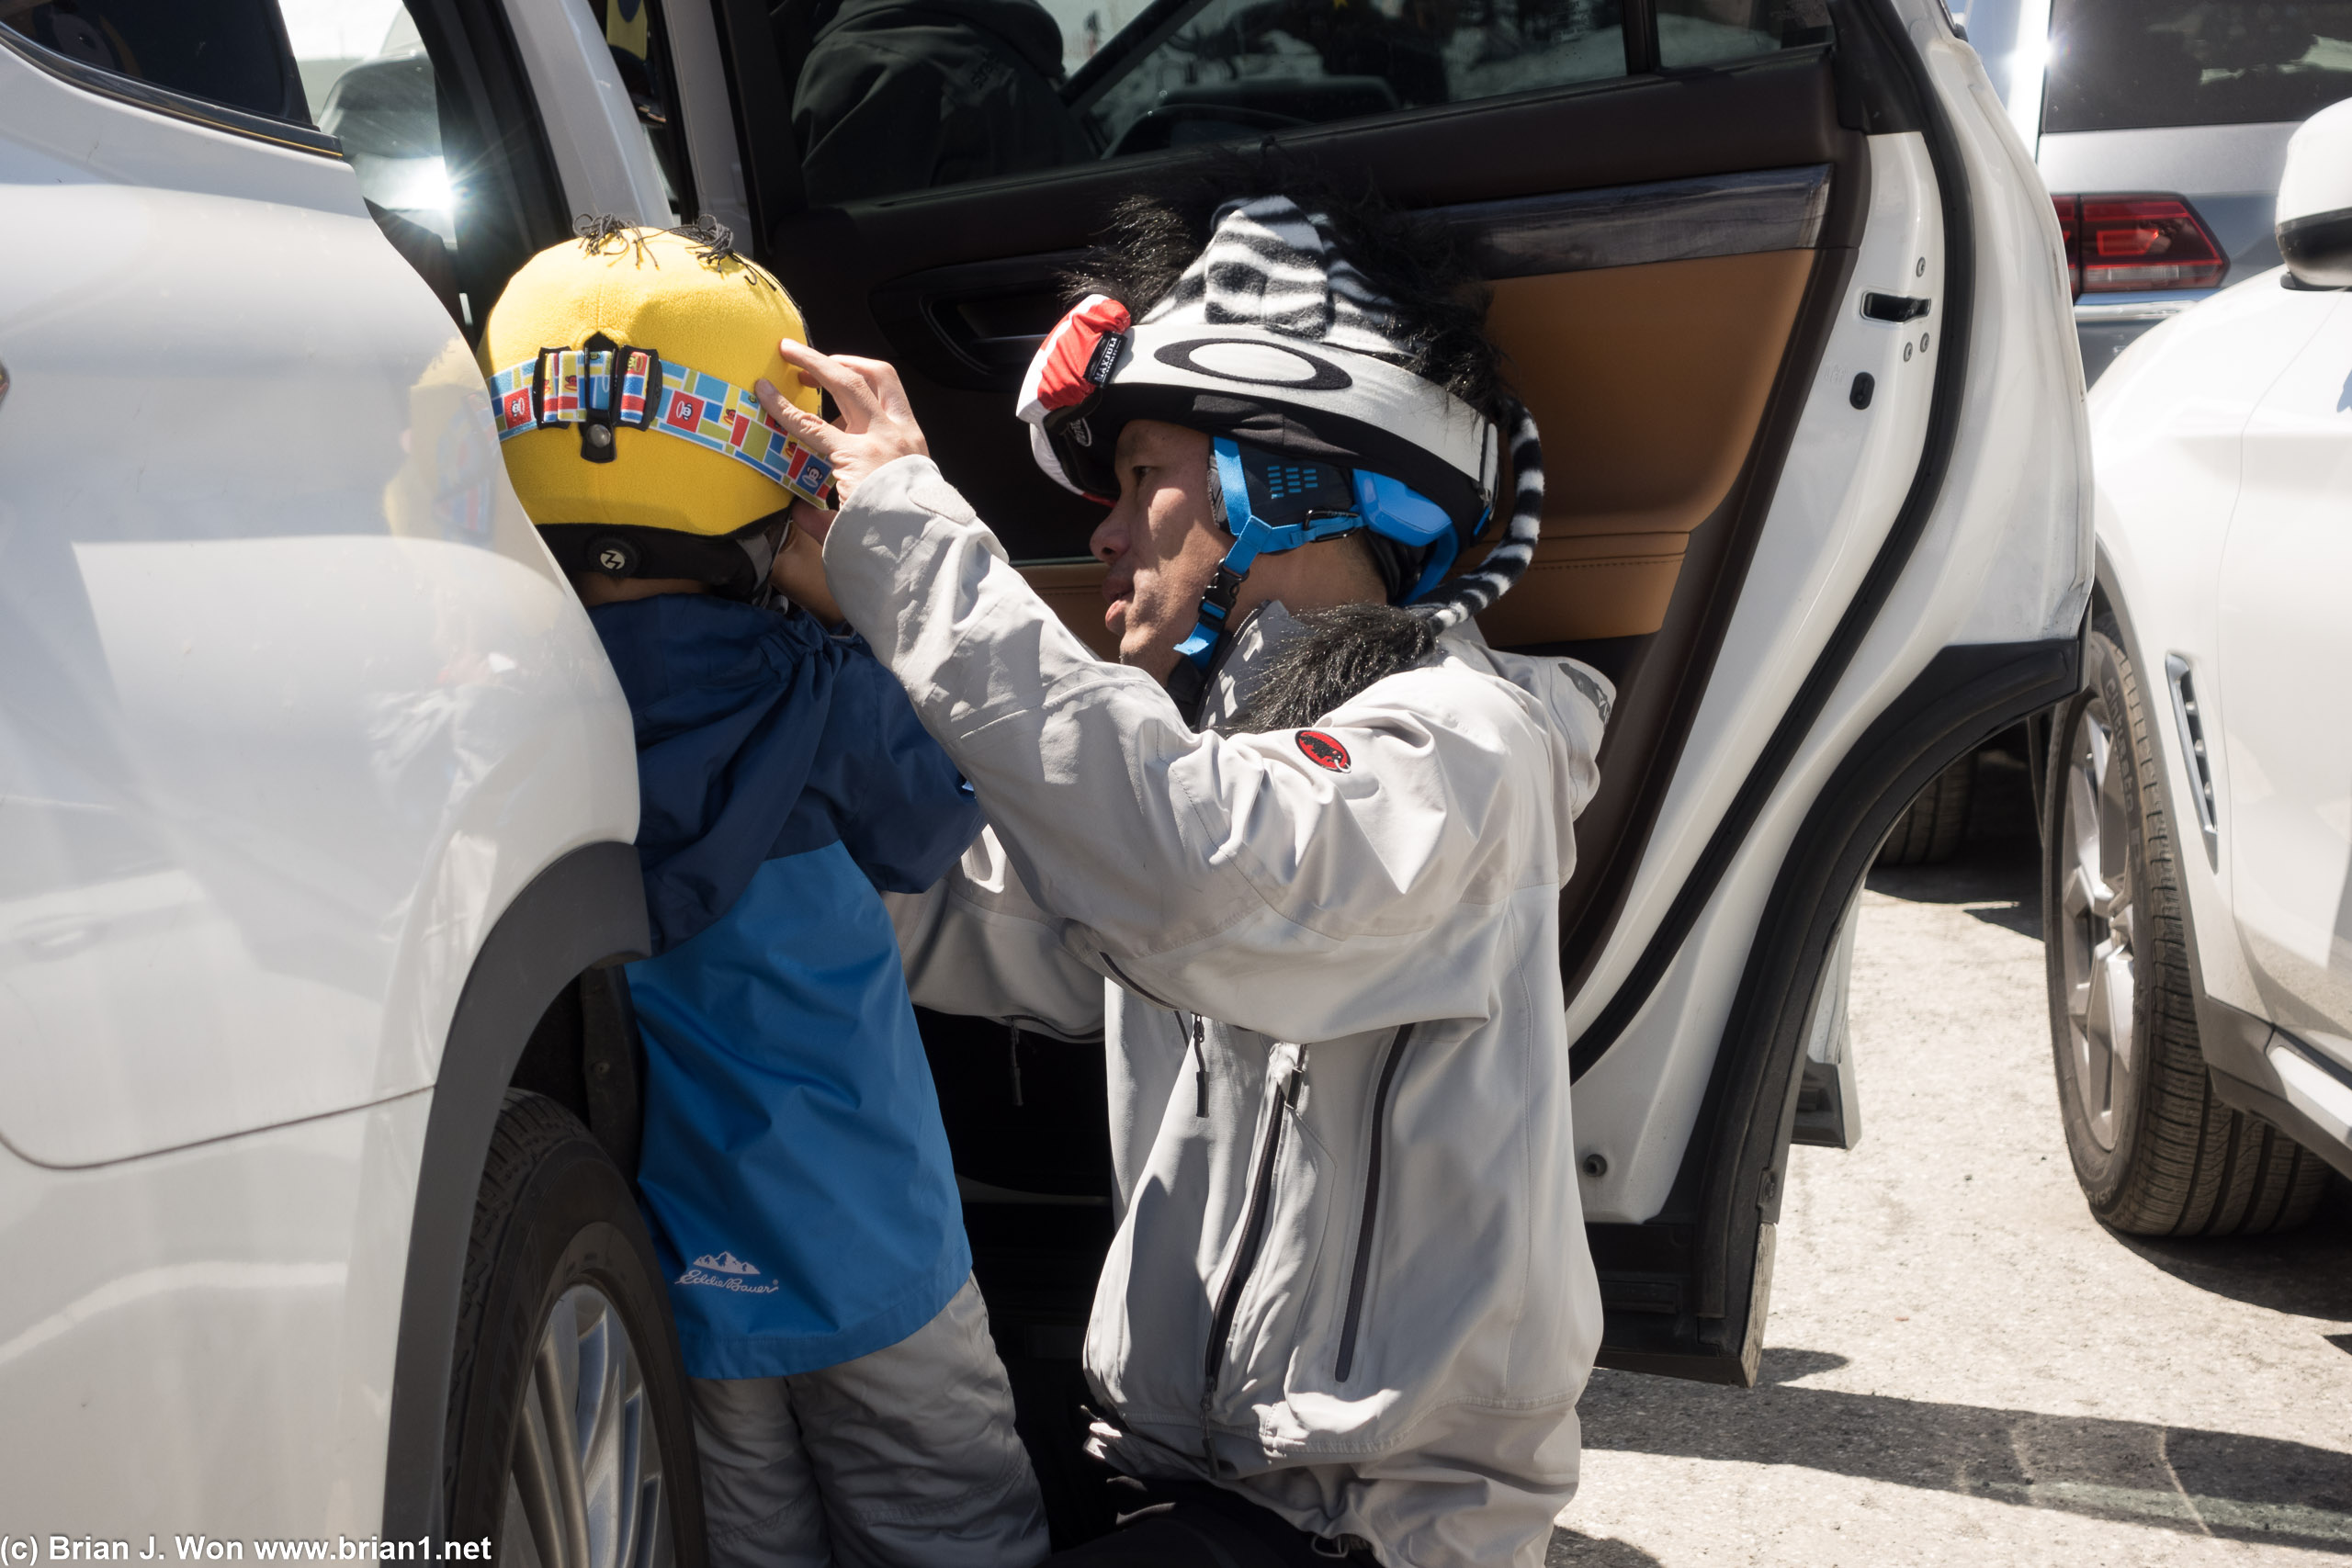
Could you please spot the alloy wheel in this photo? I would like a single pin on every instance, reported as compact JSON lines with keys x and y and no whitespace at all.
{"x":2095,"y":926}
{"x":585,"y":1485}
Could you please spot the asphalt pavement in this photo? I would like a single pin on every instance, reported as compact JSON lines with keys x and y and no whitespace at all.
{"x":1962,"y":1366}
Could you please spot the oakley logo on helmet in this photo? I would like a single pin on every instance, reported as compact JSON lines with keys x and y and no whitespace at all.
{"x":1256,"y":364}
{"x":1322,"y":750}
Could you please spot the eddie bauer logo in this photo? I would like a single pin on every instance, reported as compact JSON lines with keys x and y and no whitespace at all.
{"x":725,"y":1271}
{"x":1322,"y":750}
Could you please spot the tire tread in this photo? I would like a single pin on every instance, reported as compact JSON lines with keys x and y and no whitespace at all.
{"x":529,"y":1128}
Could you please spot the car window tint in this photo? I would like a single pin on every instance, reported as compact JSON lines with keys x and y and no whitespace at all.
{"x":892,"y":97}
{"x":224,"y":51}
{"x":633,"y":31}
{"x":1714,"y":32}
{"x":2125,"y":64}
{"x":1240,"y":68}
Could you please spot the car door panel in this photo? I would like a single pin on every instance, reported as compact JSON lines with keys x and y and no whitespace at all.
{"x":1839,"y":490}
{"x":1650,"y":382}
{"x":294,"y":699}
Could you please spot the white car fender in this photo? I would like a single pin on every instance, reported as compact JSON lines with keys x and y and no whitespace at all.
{"x":2166,"y":423}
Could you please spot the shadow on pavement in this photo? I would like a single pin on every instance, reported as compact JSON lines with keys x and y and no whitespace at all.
{"x":1570,"y":1550}
{"x":1996,"y":878}
{"x":2181,"y":1479}
{"x":2186,"y":1479}
{"x":2306,"y":1272}
{"x":1780,"y":1365}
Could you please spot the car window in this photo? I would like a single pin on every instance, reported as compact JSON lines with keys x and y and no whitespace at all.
{"x":442,"y":173}
{"x":1239,"y":68}
{"x":371,"y":85}
{"x":223,"y":52}
{"x":891,"y":98}
{"x":2125,"y":64}
{"x":1692,"y":33}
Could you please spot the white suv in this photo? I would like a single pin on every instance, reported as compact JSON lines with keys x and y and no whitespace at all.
{"x":317,"y":1083}
{"x":2198,"y":802}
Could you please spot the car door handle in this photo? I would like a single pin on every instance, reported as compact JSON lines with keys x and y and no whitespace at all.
{"x":998,"y":334}
{"x":1894,"y":306}
{"x":976,"y":324}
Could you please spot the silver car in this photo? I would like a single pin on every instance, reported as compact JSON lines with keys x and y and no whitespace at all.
{"x":2160,"y":127}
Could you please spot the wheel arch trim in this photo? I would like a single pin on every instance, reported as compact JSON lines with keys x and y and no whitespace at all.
{"x":585,"y":908}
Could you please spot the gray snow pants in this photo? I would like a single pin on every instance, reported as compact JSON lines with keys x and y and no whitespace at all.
{"x":905,"y":1458}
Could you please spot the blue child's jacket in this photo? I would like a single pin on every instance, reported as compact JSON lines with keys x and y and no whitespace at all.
{"x":794,"y":1169}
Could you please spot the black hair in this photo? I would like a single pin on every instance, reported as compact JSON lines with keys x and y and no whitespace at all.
{"x":1438,"y":302}
{"x":1344,"y":650}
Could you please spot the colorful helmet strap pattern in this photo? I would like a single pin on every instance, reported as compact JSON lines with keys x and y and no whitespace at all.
{"x":576,"y":386}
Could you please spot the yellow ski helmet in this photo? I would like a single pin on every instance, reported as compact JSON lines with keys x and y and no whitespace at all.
{"x":620,"y":369}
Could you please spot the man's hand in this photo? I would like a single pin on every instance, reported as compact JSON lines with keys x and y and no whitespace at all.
{"x":877,"y":425}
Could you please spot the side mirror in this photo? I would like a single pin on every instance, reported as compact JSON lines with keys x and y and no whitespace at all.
{"x":2315,"y":200}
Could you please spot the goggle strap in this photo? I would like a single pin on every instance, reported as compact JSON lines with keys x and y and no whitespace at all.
{"x":575,"y":386}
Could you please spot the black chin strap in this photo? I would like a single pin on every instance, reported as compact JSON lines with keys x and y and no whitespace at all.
{"x":734,"y":565}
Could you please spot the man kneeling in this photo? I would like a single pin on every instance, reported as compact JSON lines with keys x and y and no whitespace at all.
{"x":1298,"y":855}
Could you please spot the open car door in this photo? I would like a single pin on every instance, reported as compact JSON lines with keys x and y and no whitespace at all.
{"x":1781,"y":287}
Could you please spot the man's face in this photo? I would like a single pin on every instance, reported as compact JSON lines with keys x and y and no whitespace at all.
{"x":1158,"y":542}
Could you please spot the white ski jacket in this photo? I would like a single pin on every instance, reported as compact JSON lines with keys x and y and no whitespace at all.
{"x":1349,"y":1277}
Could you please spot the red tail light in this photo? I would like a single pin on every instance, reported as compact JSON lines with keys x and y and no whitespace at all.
{"x":2070,"y":208}
{"x":2117,"y":244}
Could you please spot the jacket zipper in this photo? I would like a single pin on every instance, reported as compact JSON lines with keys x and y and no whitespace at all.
{"x":1362,"y":1272}
{"x":1130,"y":985}
{"x":1254,"y":1222}
{"x":1199,"y":1074}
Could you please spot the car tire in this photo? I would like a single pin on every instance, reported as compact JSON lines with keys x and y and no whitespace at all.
{"x":570,"y":1439}
{"x":1930,"y":830}
{"x":2155,"y":1150}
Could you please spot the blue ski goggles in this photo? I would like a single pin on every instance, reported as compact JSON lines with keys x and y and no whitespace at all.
{"x":1276,"y":501}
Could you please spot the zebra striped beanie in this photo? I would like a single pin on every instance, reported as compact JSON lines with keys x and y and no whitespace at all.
{"x":1274,"y":338}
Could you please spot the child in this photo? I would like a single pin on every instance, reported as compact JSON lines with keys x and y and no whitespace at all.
{"x":849,"y":1403}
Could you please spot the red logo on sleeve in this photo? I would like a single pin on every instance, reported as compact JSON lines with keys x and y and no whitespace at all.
{"x":1322,"y":750}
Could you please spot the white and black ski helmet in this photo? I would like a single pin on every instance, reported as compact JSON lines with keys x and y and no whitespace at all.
{"x":1274,"y":339}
